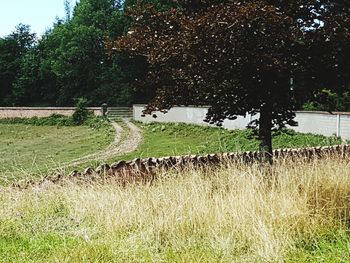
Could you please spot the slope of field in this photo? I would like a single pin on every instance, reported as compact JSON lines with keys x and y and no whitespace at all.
{"x":28,"y":149}
{"x":180,"y":139}
{"x":291,"y":212}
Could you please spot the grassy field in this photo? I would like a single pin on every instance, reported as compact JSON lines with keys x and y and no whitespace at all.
{"x":292,"y":212}
{"x":29,"y":149}
{"x":179,"y":139}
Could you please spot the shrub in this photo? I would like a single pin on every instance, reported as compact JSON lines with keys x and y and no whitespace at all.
{"x":53,"y":120}
{"x":81,"y":113}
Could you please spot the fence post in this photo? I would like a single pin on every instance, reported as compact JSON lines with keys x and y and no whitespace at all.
{"x":104,"y":109}
{"x":338,"y":125}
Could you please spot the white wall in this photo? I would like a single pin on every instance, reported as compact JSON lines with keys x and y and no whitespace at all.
{"x":317,"y":123}
{"x":309,"y":122}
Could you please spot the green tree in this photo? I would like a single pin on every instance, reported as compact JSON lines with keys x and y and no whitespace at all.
{"x":329,"y":53}
{"x":26,"y":85}
{"x":68,"y":9}
{"x":13,"y":49}
{"x":37,"y":83}
{"x":82,"y":67}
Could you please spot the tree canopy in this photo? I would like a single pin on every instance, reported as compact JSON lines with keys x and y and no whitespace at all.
{"x":13,"y":49}
{"x":262,"y":57}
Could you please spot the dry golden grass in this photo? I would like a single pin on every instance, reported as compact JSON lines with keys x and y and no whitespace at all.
{"x":236,"y":213}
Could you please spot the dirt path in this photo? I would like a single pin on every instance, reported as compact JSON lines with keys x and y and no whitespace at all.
{"x":129,"y":144}
{"x":124,"y":142}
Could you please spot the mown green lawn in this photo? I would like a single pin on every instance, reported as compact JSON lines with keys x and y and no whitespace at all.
{"x":179,"y":139}
{"x":28,"y":149}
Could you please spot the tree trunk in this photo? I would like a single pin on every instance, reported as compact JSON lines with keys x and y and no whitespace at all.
{"x":265,"y":136}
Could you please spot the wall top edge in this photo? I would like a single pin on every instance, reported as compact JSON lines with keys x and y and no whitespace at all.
{"x":46,"y":108}
{"x":312,"y":112}
{"x":189,"y":106}
{"x":326,"y":112}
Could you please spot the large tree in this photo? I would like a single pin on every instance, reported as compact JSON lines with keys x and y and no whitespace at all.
{"x":81,"y":65}
{"x":13,"y":49}
{"x":259,"y":57}
{"x":329,"y":53}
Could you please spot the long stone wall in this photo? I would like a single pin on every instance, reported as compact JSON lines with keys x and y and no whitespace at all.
{"x":144,"y":170}
{"x":28,"y":112}
{"x":322,"y":123}
{"x":146,"y":166}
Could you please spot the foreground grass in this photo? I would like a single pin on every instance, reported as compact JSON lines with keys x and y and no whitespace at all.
{"x":28,"y":149}
{"x":292,"y":212}
{"x":178,"y":139}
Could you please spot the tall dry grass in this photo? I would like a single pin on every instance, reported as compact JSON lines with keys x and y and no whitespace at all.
{"x":236,"y":213}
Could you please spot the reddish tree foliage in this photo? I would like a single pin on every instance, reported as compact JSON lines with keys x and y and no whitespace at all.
{"x":240,"y":56}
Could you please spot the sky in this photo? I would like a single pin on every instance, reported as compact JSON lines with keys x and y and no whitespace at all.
{"x":39,"y":14}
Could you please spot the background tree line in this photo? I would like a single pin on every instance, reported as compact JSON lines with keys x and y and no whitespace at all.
{"x":70,"y":60}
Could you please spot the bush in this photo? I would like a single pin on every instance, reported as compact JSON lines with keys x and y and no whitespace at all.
{"x":93,"y":122}
{"x":53,"y":120}
{"x":81,"y":114}
{"x":329,"y":101}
